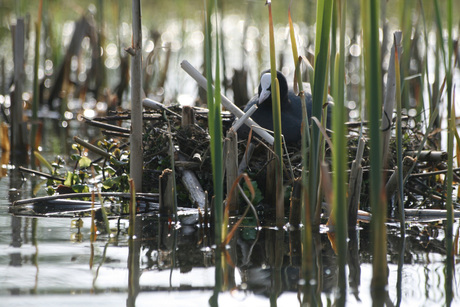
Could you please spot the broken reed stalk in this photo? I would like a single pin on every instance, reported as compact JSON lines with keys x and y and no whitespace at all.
{"x":231,"y":168}
{"x":189,"y":178}
{"x":18,"y":128}
{"x":166,"y":193}
{"x":202,"y":82}
{"x":36,"y":87}
{"x":136,"y":155}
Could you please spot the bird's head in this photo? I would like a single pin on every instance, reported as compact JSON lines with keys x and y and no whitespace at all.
{"x":265,"y":87}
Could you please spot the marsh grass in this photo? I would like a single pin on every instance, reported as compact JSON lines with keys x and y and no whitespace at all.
{"x":319,"y":88}
{"x":329,"y":74}
{"x":339,"y":161}
{"x":451,"y":129}
{"x":276,"y":111}
{"x":215,"y":132}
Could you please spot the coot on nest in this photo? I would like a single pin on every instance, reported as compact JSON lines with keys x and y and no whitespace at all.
{"x":291,"y":108}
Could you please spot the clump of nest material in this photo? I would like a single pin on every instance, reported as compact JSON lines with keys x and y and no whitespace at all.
{"x":191,"y":151}
{"x":170,"y":135}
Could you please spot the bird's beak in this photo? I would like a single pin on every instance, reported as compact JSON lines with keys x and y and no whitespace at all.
{"x":264,"y":94}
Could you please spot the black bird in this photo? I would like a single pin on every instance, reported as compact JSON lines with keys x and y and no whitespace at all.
{"x":291,"y":108}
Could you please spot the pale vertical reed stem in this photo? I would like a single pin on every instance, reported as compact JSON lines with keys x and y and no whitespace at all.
{"x":136,"y":156}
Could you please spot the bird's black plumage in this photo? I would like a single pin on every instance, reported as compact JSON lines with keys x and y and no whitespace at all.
{"x":291,"y":108}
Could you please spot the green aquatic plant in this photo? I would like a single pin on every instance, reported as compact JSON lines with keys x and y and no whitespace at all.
{"x":276,"y":111}
{"x":339,"y":161}
{"x":373,"y":98}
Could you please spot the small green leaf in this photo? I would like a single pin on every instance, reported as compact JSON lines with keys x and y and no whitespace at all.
{"x":50,"y":190}
{"x":84,"y":162}
{"x":71,"y":179}
{"x":110,"y":170}
{"x":117,"y":162}
{"x":80,"y":188}
{"x":109,"y":183}
{"x":75,"y":157}
{"x":97,"y":168}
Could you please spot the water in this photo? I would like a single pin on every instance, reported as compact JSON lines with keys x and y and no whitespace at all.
{"x":51,"y":261}
{"x":48,"y":261}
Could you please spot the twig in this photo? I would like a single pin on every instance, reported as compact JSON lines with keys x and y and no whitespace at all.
{"x":106,"y":126}
{"x":91,"y":147}
{"x":38,"y":173}
{"x":147,"y":196}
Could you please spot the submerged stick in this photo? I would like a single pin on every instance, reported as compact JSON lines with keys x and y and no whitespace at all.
{"x":146,"y":196}
{"x":437,"y":214}
{"x":193,"y":186}
{"x":166,"y":193}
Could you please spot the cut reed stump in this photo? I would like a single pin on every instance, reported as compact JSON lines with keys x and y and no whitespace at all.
{"x":167,"y":193}
{"x":392,"y":185}
{"x":296,"y":205}
{"x":231,"y":167}
{"x":18,"y":127}
{"x":188,"y":116}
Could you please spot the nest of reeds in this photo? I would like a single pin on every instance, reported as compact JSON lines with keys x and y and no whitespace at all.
{"x":423,"y":188}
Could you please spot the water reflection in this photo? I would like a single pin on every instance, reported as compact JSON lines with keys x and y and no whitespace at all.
{"x":167,"y":259}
